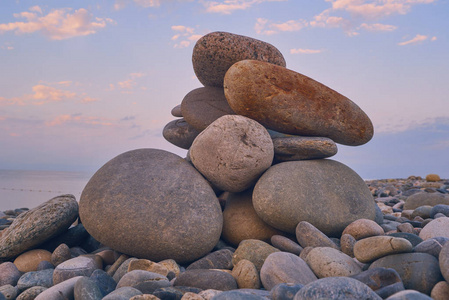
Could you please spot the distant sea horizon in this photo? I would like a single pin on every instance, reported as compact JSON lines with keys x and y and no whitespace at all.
{"x":30,"y":188}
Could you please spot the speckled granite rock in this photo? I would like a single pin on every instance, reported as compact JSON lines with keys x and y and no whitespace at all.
{"x":215,"y":52}
{"x":301,"y":147}
{"x":38,"y":225}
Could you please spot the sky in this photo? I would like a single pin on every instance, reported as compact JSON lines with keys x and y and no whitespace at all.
{"x":84,"y":81}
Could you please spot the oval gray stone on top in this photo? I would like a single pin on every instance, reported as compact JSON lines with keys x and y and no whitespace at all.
{"x":216,"y":52}
{"x":152,"y":204}
{"x":232,"y":152}
{"x":323,"y":192}
{"x":302,"y":147}
{"x":38,"y":225}
{"x":202,"y":106}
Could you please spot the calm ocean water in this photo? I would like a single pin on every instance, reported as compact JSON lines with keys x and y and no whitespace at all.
{"x":30,"y":188}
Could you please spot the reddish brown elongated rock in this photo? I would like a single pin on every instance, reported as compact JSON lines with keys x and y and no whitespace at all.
{"x":289,"y":102}
{"x":215,"y":52}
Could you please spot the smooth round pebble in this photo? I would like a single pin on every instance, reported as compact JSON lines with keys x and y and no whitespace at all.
{"x":285,"y":291}
{"x":144,"y":281}
{"x":28,"y":261}
{"x":220,"y":259}
{"x":437,"y":227}
{"x":61,"y":290}
{"x":282,"y":267}
{"x":336,"y":288}
{"x":347,"y":243}
{"x":285,"y":244}
{"x":31,"y":293}
{"x":232,"y":152}
{"x":60,"y":254}
{"x":310,"y":236}
{"x":409,"y":295}
{"x":246,"y":275}
{"x":86,"y":289}
{"x":206,"y":279}
{"x":439,"y":209}
{"x":363,"y":228}
{"x":253,"y":250}
{"x":9,"y":274}
{"x":301,"y":147}
{"x":444,"y":261}
{"x":180,"y":133}
{"x":329,"y":262}
{"x":123,"y":293}
{"x":440,"y":291}
{"x":371,"y":248}
{"x":37,"y":278}
{"x":78,"y":266}
{"x":385,"y":282}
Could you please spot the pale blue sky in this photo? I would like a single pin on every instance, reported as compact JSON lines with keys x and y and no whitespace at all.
{"x":83,"y":81}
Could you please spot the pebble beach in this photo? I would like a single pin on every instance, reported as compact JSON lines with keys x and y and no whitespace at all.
{"x":257,"y":209}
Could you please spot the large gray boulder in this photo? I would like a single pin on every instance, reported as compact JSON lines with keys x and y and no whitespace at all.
{"x":152,"y":204}
{"x":323,"y":192}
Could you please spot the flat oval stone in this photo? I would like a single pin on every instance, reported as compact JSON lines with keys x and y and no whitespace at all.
{"x":409,"y":295}
{"x":8,"y":291}
{"x":310,"y":236}
{"x":420,"y":199}
{"x":347,"y":243}
{"x":144,"y":281}
{"x":202,"y":106}
{"x":246,"y":275}
{"x":363,"y":228}
{"x":412,"y":238}
{"x":302,"y":147}
{"x":285,"y":291}
{"x":38,"y":225}
{"x":152,"y":204}
{"x":285,"y":244}
{"x":31,"y":293}
{"x":440,"y":291}
{"x":236,"y":295}
{"x":37,"y":278}
{"x":283,"y":267}
{"x":78,"y":266}
{"x":307,"y":187}
{"x":216,"y":52}
{"x":9,"y":274}
{"x":60,"y":255}
{"x":86,"y":289}
{"x":329,"y":262}
{"x":289,"y":102}
{"x":240,"y":221}
{"x":435,"y":228}
{"x":232,"y":152}
{"x":28,"y":261}
{"x":439,"y":208}
{"x":105,"y":283}
{"x":180,"y":133}
{"x":60,"y":290}
{"x":444,"y":261}
{"x":253,"y":250}
{"x":125,"y":292}
{"x":431,"y":246}
{"x":336,"y":288}
{"x":206,"y":279}
{"x":385,"y":282}
{"x":371,"y":248}
{"x":418,"y":271}
{"x":220,"y":259}
{"x":176,"y":111}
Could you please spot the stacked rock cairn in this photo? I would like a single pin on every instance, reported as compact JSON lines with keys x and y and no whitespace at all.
{"x":255,"y":211}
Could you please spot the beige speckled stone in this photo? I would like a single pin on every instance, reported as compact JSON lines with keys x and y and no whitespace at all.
{"x":171,"y":266}
{"x":329,"y":262}
{"x":216,"y":52}
{"x":147,"y":265}
{"x":372,"y":248}
{"x":246,"y":275}
{"x":292,"y":103}
{"x":363,"y":228}
{"x":437,"y":227}
{"x":232,"y":152}
{"x":432,"y":177}
{"x":28,"y":261}
{"x":38,"y":225}
{"x":440,"y":291}
{"x":253,"y":250}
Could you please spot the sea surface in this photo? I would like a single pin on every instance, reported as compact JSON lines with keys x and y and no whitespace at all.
{"x":19,"y":189}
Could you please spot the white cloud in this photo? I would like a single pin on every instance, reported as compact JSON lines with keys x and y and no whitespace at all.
{"x":228,"y":6}
{"x":376,"y":9}
{"x":377,"y":27}
{"x":267,"y":27}
{"x":305,"y":51}
{"x":79,"y":119}
{"x":148,"y":3}
{"x":433,"y":39}
{"x":58,"y":24}
{"x":44,"y":94}
{"x":184,"y":36}
{"x":127,"y":86}
{"x":416,"y":40}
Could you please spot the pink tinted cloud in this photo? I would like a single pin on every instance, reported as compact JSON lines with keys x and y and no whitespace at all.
{"x":184,"y":36}
{"x":305,"y":51}
{"x":228,"y":6}
{"x":419,"y":38}
{"x":58,"y":24}
{"x":78,"y":119}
